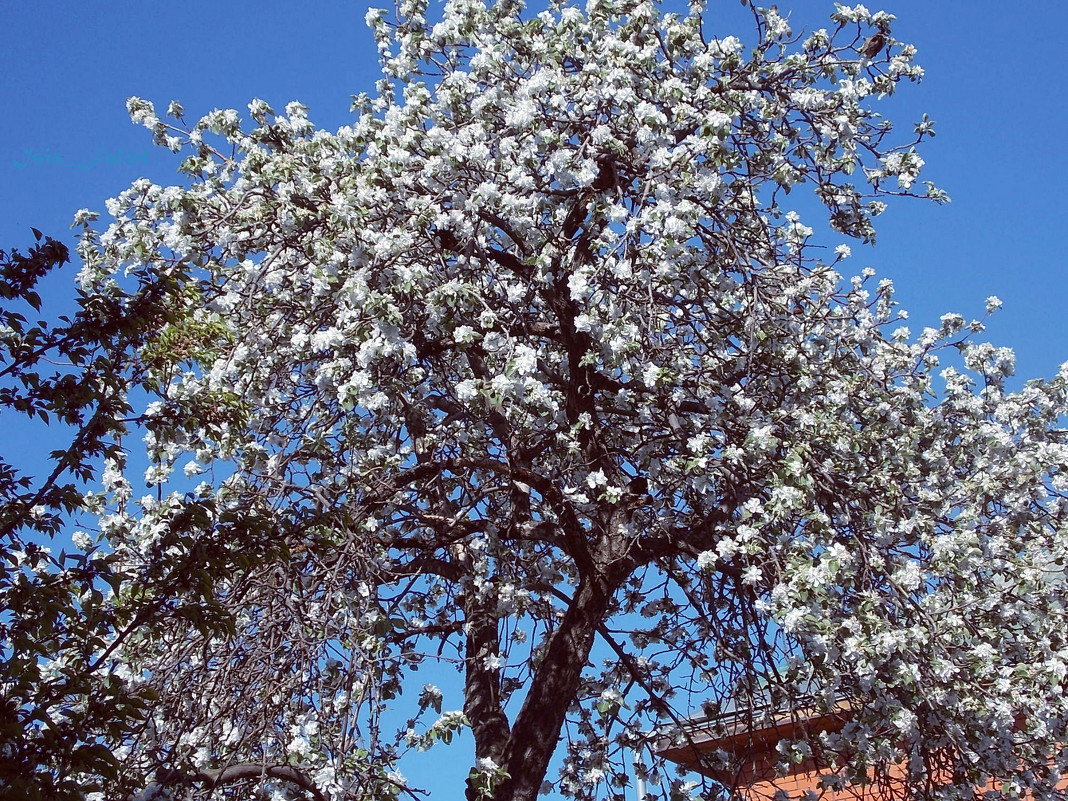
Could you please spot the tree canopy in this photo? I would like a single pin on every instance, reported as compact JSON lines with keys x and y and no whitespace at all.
{"x":532,"y":375}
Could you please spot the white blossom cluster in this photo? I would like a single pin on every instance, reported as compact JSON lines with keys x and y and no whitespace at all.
{"x":531,"y":344}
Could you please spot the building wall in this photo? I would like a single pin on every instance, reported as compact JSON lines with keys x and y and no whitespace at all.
{"x":755,"y":756}
{"x":759,"y":782}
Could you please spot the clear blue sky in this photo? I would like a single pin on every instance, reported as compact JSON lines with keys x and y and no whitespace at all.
{"x":996,"y":82}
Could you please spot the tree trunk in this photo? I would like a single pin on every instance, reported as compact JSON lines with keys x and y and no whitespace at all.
{"x":482,"y":685}
{"x":537,"y":726}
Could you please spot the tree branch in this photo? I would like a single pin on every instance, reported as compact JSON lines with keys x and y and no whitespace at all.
{"x":236,"y":773}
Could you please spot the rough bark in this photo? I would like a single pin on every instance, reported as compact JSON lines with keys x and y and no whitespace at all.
{"x":537,"y":726}
{"x":482,"y":685}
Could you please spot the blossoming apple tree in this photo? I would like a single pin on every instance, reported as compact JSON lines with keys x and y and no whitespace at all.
{"x":532,"y":376}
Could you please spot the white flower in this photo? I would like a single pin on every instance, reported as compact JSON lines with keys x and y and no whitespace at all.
{"x":777,"y":27}
{"x":793,"y":619}
{"x":905,"y":721}
{"x":726,"y":548}
{"x":578,"y":283}
{"x":909,"y":577}
{"x":762,"y":437}
{"x":84,"y":217}
{"x":651,"y":375}
{"x":993,"y":303}
{"x":585,"y":322}
{"x":299,"y":745}
{"x":593,"y":776}
{"x":464,"y":334}
{"x":502,"y":385}
{"x":951,"y":323}
{"x":611,"y":695}
{"x":857,"y":13}
{"x":259,"y":108}
{"x":526,"y":359}
{"x":719,"y":48}
{"x":112,"y":477}
{"x":467,"y":389}
{"x":522,"y":114}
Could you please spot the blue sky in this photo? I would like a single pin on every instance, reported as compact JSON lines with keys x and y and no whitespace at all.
{"x":995,"y":84}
